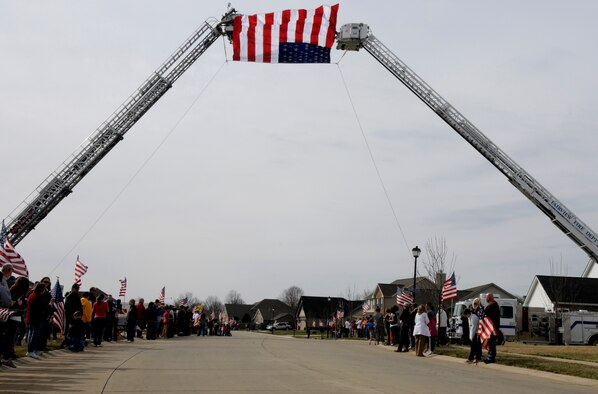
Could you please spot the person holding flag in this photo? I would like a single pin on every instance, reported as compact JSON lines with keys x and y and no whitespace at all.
{"x":492,"y":311}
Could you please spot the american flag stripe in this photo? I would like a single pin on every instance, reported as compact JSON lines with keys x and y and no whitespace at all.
{"x":404,"y":298}
{"x":162,"y":296}
{"x":8,"y":254}
{"x":80,"y":270}
{"x":449,"y":288}
{"x":123,"y":287}
{"x":256,"y":38}
{"x":6,"y":314}
{"x":485,"y":330}
{"x":58,"y":302}
{"x":365,"y":307}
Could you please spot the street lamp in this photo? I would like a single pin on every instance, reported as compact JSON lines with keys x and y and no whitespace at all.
{"x":416,"y":251}
{"x":328,"y":321}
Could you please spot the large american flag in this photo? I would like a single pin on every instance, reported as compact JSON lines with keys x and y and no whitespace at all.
{"x":404,"y":297}
{"x":289,"y":36}
{"x":58,"y":301}
{"x":162,"y":295}
{"x":365,"y":307}
{"x":80,"y":270}
{"x":8,"y":254}
{"x":123,"y":287}
{"x":485,"y":330}
{"x":449,"y":288}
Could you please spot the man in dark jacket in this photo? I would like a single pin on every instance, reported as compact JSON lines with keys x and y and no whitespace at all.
{"x":72,"y":304}
{"x":492,"y":311}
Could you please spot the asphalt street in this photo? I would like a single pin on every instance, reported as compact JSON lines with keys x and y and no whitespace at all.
{"x":252,"y":362}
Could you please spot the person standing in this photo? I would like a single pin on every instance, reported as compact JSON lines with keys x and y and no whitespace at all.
{"x":475,"y":351}
{"x":492,"y":311}
{"x":110,"y":316}
{"x":131,"y":321}
{"x":432,"y":328}
{"x":442,"y":319}
{"x":72,"y":304}
{"x":87,"y":308}
{"x":35,"y":315}
{"x":406,"y":326}
{"x":394,"y":326}
{"x":100,"y":312}
{"x":6,"y":327}
{"x":151,"y":319}
{"x":140,"y":317}
{"x":421,"y":330}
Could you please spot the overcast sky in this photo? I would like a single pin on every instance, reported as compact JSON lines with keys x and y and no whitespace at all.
{"x":267,"y":182}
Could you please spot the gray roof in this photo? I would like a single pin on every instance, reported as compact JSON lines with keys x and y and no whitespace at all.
{"x":237,"y":311}
{"x":474,"y":292}
{"x":266,"y":306}
{"x":570,"y":290}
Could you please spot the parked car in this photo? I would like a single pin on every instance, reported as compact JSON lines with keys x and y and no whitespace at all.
{"x":279,"y":326}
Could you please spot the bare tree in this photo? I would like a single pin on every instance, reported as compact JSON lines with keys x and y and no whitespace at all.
{"x":438,"y":262}
{"x":291,"y":296}
{"x":213,"y":304}
{"x":366,"y":293}
{"x":350,"y":293}
{"x":233,"y":297}
{"x":561,"y":290}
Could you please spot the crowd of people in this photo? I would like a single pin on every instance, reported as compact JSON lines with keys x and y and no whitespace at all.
{"x":89,"y":319}
{"x":421,"y":328}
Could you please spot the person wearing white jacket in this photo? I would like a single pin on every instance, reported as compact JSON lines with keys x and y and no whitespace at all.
{"x":421,"y":331}
{"x":475,"y":353}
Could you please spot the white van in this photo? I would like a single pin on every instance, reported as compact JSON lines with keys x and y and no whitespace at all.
{"x":580,"y":328}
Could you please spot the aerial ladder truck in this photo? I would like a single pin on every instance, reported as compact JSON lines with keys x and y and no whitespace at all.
{"x":354,"y":36}
{"x":351,"y":37}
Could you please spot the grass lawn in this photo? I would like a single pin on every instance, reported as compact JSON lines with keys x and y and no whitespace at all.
{"x":522,"y":355}
{"x":582,"y":353}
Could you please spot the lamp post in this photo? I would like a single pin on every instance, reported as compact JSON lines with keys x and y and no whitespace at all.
{"x":328,"y":320}
{"x":416,"y":252}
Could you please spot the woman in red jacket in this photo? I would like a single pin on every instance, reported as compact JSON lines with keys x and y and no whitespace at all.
{"x":36,"y":310}
{"x":100,"y":310}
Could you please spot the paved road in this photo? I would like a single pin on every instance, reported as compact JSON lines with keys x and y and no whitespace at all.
{"x":251,"y":362}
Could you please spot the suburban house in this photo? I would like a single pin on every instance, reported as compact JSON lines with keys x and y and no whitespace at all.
{"x":549,"y":293}
{"x":241,"y":313}
{"x":314,"y":311}
{"x":385,"y":294}
{"x":259,"y":314}
{"x":269,"y":311}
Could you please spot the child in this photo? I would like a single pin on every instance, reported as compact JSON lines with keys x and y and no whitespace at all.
{"x":76,"y":334}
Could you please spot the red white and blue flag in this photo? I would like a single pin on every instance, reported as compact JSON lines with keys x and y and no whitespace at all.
{"x":365,"y":307}
{"x":485,"y":330}
{"x":8,"y":254}
{"x":289,"y":36}
{"x":404,"y":298}
{"x":58,"y":302}
{"x":183,"y":301}
{"x":162,"y":296}
{"x":449,"y":288}
{"x":80,"y":270}
{"x":123,"y":287}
